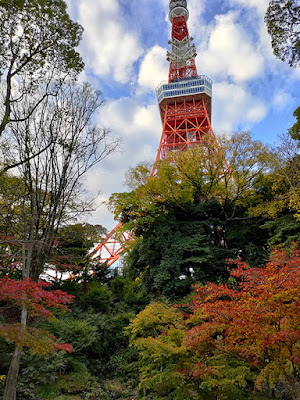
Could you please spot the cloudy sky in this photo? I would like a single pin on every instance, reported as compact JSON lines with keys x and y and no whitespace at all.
{"x":124,"y":49}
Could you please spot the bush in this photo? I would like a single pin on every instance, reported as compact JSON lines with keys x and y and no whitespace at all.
{"x":98,"y":298}
{"x":78,"y":333}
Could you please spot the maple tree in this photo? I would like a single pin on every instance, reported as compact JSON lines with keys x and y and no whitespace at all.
{"x":257,"y":320}
{"x":169,"y":369}
{"x":248,"y":328}
{"x":35,"y":300}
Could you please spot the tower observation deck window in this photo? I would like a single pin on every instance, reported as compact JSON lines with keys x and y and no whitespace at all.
{"x":201,"y":84}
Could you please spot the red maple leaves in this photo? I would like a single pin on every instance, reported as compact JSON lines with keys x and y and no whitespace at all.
{"x":38,"y":301}
{"x":257,"y":318}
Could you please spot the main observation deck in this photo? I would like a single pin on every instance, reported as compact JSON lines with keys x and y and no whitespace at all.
{"x":185,"y":87}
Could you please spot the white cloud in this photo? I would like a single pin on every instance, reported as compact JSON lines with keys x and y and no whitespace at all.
{"x":260,"y":5}
{"x":139,"y":128}
{"x":281,"y":99}
{"x":295,"y":72}
{"x":234,"y":49}
{"x":131,"y":120}
{"x":255,"y":13}
{"x":235,"y":108}
{"x":230,"y":52}
{"x":108,"y":47}
{"x":196,"y":8}
{"x":71,"y":8}
{"x":154,"y":69}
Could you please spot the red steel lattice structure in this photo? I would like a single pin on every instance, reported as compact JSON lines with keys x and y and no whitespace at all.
{"x":185,"y":109}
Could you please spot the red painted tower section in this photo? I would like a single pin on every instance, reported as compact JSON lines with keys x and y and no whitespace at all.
{"x":185,"y":101}
{"x":180,"y":35}
{"x":185,"y":109}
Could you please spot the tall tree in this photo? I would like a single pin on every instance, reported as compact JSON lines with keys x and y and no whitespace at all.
{"x":283,"y":20}
{"x":37,"y":43}
{"x":185,"y":218}
{"x":72,"y":144}
{"x":51,"y":180}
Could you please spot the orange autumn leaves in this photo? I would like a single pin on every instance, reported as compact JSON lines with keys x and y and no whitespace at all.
{"x":254,"y":318}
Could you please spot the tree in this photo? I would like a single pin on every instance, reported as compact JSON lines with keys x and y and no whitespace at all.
{"x":171,"y":370}
{"x":34,"y":300}
{"x":294,"y":131}
{"x":139,"y":175}
{"x":226,"y":339}
{"x":52,"y":179}
{"x":281,"y":200}
{"x":62,"y":127}
{"x":180,"y":248}
{"x":37,"y":44}
{"x":157,"y":333}
{"x":283,"y":19}
{"x":185,"y":218}
{"x":257,"y":320}
{"x":71,"y":252}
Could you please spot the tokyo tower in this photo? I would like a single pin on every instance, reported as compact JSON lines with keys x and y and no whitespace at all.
{"x":185,"y":110}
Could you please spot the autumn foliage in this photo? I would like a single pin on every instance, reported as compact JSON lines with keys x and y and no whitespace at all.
{"x":257,"y":319}
{"x":254,"y":319}
{"x":39,"y":302}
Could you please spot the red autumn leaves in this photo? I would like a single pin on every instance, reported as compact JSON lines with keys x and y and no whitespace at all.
{"x":253,"y":319}
{"x":256,"y":318}
{"x":38,"y":303}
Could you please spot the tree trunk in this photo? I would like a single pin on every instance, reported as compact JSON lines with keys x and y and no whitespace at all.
{"x":11,"y":382}
{"x":295,"y":392}
{"x":12,"y":376}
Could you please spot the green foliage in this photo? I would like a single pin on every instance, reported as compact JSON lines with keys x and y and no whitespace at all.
{"x":294,"y":131}
{"x":75,"y":382}
{"x":152,"y":320}
{"x":37,"y":40}
{"x":48,"y":391}
{"x":130,"y":294}
{"x":58,"y":36}
{"x":79,"y":333}
{"x":110,"y":338}
{"x":5,"y":351}
{"x":76,"y":240}
{"x":72,"y":386}
{"x":157,"y":333}
{"x":186,"y":246}
{"x":282,"y":20}
{"x":98,"y":298}
{"x":135,"y":177}
{"x":38,"y":370}
{"x":194,"y":213}
{"x":283,"y":230}
{"x":169,"y":370}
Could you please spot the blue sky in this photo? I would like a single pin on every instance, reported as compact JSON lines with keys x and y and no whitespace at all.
{"x":124,"y":49}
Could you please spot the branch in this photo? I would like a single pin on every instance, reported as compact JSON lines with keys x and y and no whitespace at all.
{"x":8,"y":167}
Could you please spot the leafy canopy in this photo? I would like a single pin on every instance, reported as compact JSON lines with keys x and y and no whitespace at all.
{"x":283,"y":19}
{"x":228,"y":336}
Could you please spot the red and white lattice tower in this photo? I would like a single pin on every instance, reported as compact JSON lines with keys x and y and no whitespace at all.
{"x":185,"y":109}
